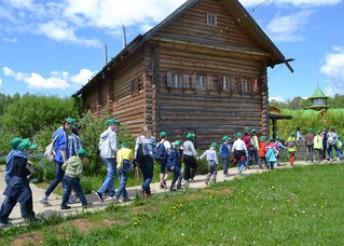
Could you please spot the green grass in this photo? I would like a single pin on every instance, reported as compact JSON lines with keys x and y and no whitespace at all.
{"x":297,"y":206}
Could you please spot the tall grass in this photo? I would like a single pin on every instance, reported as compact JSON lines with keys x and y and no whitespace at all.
{"x":298,"y":206}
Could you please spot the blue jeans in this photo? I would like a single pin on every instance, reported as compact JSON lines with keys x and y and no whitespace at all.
{"x":121,"y":191}
{"x":176,"y":175}
{"x":147,"y":167}
{"x":58,"y":178}
{"x":23,"y":209}
{"x":107,"y":186}
{"x":69,"y":184}
{"x":329,"y":150}
{"x":8,"y":205}
{"x":241,"y":165}
{"x":225,"y":161}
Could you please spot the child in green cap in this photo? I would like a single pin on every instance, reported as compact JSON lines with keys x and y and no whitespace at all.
{"x":225,"y":153}
{"x":211,"y":156}
{"x":71,"y":181}
{"x":318,"y":147}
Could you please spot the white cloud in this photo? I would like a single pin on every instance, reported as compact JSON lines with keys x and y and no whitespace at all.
{"x":334,"y":68}
{"x":0,"y":83}
{"x":309,"y":3}
{"x":59,"y":80}
{"x":60,"y":31}
{"x":82,"y":77}
{"x":21,"y":4}
{"x":10,"y":40}
{"x":329,"y":92}
{"x":289,"y":27}
{"x":278,"y":98}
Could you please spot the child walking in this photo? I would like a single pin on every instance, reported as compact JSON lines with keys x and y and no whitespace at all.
{"x":318,"y":147}
{"x":212,"y":161}
{"x":291,"y":143}
{"x":262,"y":152}
{"x":71,"y":181}
{"x":173,"y":165}
{"x":270,"y":153}
{"x":224,"y":152}
{"x":123,"y":155}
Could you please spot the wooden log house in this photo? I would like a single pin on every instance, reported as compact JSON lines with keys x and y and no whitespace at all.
{"x":203,"y":70}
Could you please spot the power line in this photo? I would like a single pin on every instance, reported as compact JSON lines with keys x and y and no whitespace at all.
{"x":260,"y":4}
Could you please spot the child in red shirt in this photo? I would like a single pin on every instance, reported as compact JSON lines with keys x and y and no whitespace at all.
{"x":262,"y":151}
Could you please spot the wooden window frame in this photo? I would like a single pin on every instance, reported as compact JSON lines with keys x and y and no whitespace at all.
{"x":246,"y":86}
{"x":174,"y":80}
{"x":201,"y":85}
{"x":211,"y":19}
{"x":226,"y":88}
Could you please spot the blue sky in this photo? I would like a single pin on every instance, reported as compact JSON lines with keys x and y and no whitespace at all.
{"x":55,"y":47}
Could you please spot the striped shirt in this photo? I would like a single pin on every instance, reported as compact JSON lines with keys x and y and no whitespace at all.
{"x":74,"y":144}
{"x":148,"y":145}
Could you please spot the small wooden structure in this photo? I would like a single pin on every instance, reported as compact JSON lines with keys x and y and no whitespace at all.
{"x":319,"y":100}
{"x":203,"y":69}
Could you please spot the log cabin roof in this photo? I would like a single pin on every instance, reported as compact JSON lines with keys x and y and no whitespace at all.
{"x":234,"y":7}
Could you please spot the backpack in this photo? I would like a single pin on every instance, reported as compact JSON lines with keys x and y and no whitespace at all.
{"x":49,"y":152}
{"x":332,"y":138}
{"x":161,"y":152}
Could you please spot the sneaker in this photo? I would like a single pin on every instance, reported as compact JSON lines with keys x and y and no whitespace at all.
{"x":3,"y":225}
{"x":206,"y":182}
{"x":87,"y":205}
{"x":45,"y":202}
{"x":115,"y":199}
{"x":100,"y":196}
{"x":63,"y":207}
{"x":127,"y":199}
{"x":142,"y":193}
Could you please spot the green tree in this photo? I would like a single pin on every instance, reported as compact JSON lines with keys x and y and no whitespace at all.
{"x":29,"y":114}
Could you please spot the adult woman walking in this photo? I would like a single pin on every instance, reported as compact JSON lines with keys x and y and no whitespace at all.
{"x":145,"y":160}
{"x":62,"y":155}
{"x":189,"y":154}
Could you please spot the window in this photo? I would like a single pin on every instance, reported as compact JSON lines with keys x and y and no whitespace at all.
{"x":174,"y":80}
{"x":226,"y":83}
{"x":201,"y":82}
{"x":245,"y":86}
{"x":211,"y":20}
{"x":235,"y":85}
{"x":213,"y":83}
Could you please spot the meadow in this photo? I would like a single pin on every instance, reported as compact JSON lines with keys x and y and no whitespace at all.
{"x":292,"y":206}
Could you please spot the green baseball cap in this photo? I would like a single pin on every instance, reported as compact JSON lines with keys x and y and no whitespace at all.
{"x":71,"y":121}
{"x":113,"y":122}
{"x":26,"y":145}
{"x":214,"y":145}
{"x":163,"y":134}
{"x":177,"y":143}
{"x":225,"y":138}
{"x":15,"y":142}
{"x":82,"y":153}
